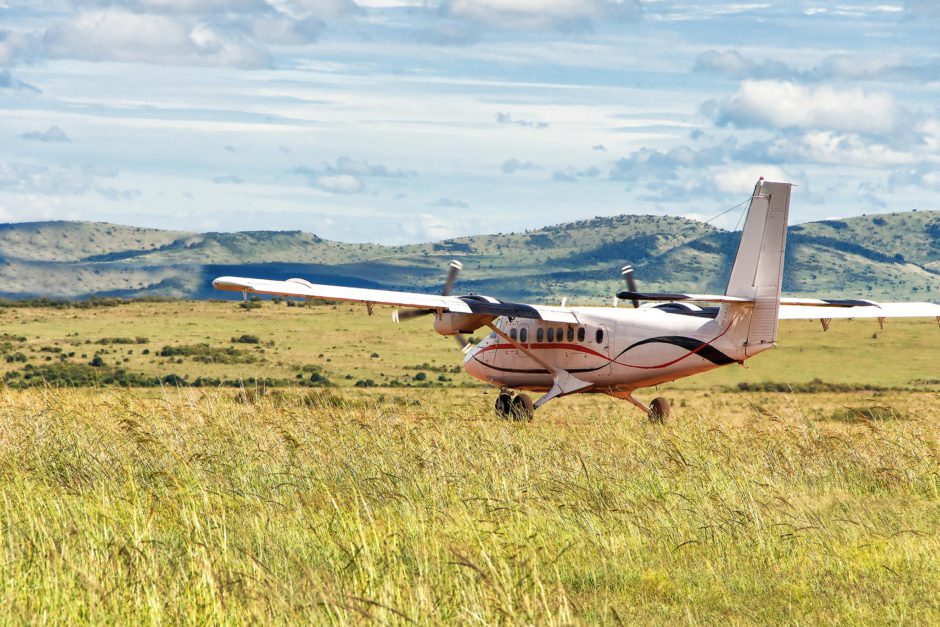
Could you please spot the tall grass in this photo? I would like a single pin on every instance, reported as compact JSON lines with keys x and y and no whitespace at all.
{"x":207,"y":507}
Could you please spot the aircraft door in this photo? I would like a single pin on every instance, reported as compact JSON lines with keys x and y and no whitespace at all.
{"x":601,"y":342}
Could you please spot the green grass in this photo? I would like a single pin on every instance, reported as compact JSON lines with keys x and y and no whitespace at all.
{"x":349,"y":346}
{"x":197,"y":507}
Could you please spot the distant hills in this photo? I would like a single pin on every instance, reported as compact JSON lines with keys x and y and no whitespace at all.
{"x":887,"y":256}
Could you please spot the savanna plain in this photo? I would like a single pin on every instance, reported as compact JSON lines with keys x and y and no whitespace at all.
{"x":209,"y":462}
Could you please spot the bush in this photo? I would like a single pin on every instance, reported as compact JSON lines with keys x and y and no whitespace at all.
{"x":814,"y":386}
{"x":208,"y":354}
{"x":122,"y":340}
{"x":246,"y":339}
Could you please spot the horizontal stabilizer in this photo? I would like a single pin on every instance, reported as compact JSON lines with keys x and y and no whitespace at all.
{"x":714,"y":298}
{"x":828,"y":302}
{"x":868,"y":310}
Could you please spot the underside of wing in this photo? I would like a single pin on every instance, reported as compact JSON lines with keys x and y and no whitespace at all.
{"x":866,"y":310}
{"x":304,"y":289}
{"x":471,"y":304}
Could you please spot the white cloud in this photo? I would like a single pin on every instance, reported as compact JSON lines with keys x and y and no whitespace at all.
{"x":511,"y":166}
{"x":562,"y":15}
{"x":740,"y":180}
{"x":14,"y":46}
{"x":116,"y":34}
{"x":733,"y":63}
{"x":506,"y":118}
{"x":449,"y":203}
{"x":344,"y":176}
{"x":31,"y":178}
{"x":52,"y":134}
{"x":199,"y":6}
{"x":339,"y":184}
{"x":787,"y":105}
{"x":837,"y":149}
{"x":922,"y":9}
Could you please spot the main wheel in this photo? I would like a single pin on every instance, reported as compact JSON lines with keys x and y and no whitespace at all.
{"x":522,"y":407}
{"x":503,"y":405}
{"x":659,"y":410}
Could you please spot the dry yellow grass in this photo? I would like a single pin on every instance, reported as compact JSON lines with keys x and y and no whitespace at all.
{"x":200,"y":507}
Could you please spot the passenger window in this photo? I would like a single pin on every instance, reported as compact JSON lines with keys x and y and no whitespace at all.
{"x":599,"y":336}
{"x":580,"y":334}
{"x":540,"y":334}
{"x":551,"y":334}
{"x":523,"y":335}
{"x":512,"y":333}
{"x":570,"y":334}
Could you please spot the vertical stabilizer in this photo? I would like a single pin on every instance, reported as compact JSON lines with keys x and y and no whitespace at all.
{"x":757,"y":273}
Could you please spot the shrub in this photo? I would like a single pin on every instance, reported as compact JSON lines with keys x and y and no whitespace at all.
{"x":122,"y":340}
{"x":208,"y":354}
{"x":246,"y":339}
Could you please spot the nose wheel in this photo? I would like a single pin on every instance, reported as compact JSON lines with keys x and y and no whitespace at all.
{"x":658,"y":409}
{"x":519,"y":407}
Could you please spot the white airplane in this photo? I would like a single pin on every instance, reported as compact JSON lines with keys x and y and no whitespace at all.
{"x":616,"y":351}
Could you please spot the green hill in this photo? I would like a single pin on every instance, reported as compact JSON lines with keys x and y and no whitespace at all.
{"x":885,"y":256}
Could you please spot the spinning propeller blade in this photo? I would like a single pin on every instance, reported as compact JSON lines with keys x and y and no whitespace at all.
{"x":462,"y":342}
{"x":452,"y":270}
{"x":409,"y":314}
{"x":627,"y":273}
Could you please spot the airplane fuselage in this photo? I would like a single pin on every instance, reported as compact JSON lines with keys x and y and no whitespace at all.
{"x":617,"y":350}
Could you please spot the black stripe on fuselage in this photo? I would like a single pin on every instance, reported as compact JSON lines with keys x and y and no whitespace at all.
{"x":700,"y":348}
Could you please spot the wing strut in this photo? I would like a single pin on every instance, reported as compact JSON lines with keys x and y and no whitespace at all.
{"x":564,"y":383}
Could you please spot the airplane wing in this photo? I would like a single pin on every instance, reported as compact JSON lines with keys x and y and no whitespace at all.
{"x":472,"y":304}
{"x":867,"y":310}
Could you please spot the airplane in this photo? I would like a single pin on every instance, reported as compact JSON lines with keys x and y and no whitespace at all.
{"x":560,"y":350}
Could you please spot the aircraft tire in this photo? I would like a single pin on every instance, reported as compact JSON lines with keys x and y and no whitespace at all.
{"x":503,"y":405}
{"x":659,"y":410}
{"x":522,"y":407}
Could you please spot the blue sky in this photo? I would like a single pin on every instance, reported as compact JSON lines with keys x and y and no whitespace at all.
{"x":399,"y":121}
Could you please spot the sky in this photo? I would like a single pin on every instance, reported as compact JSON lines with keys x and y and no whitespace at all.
{"x":400,"y":121}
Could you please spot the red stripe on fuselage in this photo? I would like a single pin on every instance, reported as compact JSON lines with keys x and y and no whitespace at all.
{"x":584,"y":349}
{"x":581,"y":349}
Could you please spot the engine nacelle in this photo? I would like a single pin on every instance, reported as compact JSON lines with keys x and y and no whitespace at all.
{"x":454,"y":323}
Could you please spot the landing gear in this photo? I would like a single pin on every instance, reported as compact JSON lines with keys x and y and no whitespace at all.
{"x":519,"y":407}
{"x":503,"y":404}
{"x":522,"y":407}
{"x":659,"y":410}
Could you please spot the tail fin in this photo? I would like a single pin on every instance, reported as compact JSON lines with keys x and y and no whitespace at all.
{"x":757,"y":273}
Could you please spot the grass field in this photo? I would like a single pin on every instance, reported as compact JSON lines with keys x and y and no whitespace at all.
{"x":347,"y":346}
{"x":414,"y":505}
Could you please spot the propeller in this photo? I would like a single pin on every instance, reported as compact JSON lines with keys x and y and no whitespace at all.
{"x":627,"y":273}
{"x":453,"y":269}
